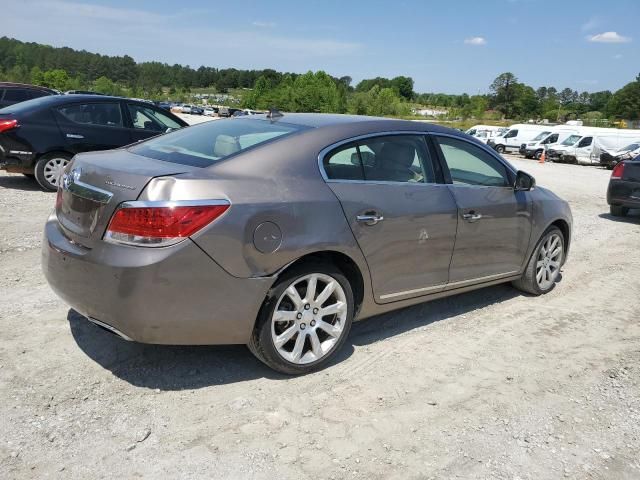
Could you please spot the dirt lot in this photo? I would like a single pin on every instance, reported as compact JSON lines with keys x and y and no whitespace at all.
{"x":492,"y":384}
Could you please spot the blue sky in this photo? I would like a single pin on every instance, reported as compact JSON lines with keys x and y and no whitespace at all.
{"x":446,"y":46}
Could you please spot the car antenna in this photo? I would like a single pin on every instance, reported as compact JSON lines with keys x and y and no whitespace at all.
{"x":274,"y":113}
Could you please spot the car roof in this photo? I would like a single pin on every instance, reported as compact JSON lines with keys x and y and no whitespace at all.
{"x":321,"y":120}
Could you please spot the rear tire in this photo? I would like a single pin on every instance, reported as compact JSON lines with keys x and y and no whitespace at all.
{"x":538,"y":154}
{"x":292,"y":335}
{"x":49,"y":168}
{"x":543,"y":268}
{"x":500,"y":149}
{"x":618,"y":211}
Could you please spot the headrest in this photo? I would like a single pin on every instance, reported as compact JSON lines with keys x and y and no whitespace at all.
{"x":225,"y":145}
{"x":397,"y":155}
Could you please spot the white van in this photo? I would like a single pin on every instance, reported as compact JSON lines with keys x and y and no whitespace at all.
{"x":517,"y":135}
{"x":545,"y":140}
{"x":588,"y":149}
{"x":485,"y":132}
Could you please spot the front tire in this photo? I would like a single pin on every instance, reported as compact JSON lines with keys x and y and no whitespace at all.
{"x":618,"y":211}
{"x":49,"y":168}
{"x":500,"y":149}
{"x":538,"y":154}
{"x":543,"y":268}
{"x":304,"y":320}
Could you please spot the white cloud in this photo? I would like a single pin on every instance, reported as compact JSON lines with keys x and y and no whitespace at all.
{"x":476,"y":41}
{"x":261,"y":24}
{"x":608,"y":37}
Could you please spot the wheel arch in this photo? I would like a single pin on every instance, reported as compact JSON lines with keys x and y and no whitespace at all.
{"x":341,"y":261}
{"x":564,"y":227}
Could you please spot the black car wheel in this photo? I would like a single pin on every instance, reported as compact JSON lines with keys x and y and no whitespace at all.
{"x":618,"y":211}
{"x":500,"y":149}
{"x":304,"y":320}
{"x":49,"y":169}
{"x":538,"y":154}
{"x":543,"y":268}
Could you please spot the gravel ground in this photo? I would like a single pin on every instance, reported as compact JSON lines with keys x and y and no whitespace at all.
{"x":490,"y":384}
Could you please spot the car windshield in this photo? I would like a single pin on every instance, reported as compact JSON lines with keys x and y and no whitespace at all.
{"x":631,"y":148}
{"x":571,"y":140}
{"x":205,"y":144}
{"x":540,"y":136}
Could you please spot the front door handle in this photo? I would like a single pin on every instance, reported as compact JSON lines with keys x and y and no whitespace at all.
{"x":370,"y":219}
{"x":472,"y":216}
{"x":74,"y":135}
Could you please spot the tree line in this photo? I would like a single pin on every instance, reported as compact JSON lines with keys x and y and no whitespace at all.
{"x":69,"y":69}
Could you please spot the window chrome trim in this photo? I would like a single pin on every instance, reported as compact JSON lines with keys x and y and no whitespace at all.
{"x":323,"y":153}
{"x":460,"y":283}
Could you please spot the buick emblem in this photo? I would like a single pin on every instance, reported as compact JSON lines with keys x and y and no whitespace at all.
{"x":70,"y":178}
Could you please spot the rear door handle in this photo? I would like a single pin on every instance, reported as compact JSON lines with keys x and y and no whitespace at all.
{"x":472,"y":216}
{"x":370,"y":219}
{"x":74,"y":135}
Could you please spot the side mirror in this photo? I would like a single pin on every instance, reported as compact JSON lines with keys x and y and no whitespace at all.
{"x":524,"y":182}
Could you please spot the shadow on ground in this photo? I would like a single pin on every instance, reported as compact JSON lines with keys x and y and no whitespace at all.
{"x":185,"y":367}
{"x":19,"y":182}
{"x":632,"y":217}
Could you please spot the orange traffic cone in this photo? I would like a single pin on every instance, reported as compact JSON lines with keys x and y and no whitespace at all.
{"x":542,"y":157}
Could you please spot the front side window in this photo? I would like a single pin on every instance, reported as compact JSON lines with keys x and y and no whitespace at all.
{"x":392,"y":158}
{"x":205,"y":144}
{"x":96,"y":114}
{"x":145,"y":118}
{"x":511,"y":134}
{"x":470,"y":165}
{"x":585,"y":142}
{"x":553,"y":138}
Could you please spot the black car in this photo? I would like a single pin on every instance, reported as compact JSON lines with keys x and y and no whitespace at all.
{"x":195,"y":110}
{"x":623,"y":193}
{"x":12,"y":93}
{"x":39,"y":137}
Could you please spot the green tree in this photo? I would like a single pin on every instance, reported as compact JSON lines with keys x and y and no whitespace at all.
{"x":503,"y":93}
{"x":625,"y":103}
{"x":57,"y":78}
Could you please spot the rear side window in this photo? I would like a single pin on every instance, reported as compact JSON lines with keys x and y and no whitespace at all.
{"x":205,"y":144}
{"x":96,"y":114}
{"x":16,"y":95}
{"x":470,"y":165}
{"x":392,"y":158}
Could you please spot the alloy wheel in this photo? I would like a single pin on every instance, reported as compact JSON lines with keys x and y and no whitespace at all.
{"x":549,"y":261}
{"x":309,"y":318}
{"x":53,"y":170}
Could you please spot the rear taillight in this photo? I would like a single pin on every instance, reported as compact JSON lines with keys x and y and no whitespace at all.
{"x":618,"y":171}
{"x":158,"y":224}
{"x":8,"y":125}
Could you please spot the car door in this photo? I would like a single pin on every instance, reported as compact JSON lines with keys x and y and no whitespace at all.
{"x":494,"y":221}
{"x":584,"y":149}
{"x":93,"y":125}
{"x":401,"y":214}
{"x":147,"y":121}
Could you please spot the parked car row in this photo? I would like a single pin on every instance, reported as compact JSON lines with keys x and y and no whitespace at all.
{"x":39,"y":137}
{"x":568,"y":143}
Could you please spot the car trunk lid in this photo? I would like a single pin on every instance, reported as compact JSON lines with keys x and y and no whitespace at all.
{"x":96,"y":183}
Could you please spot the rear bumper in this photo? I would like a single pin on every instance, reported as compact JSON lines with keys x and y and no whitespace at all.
{"x":175,"y":295}
{"x":624,"y":193}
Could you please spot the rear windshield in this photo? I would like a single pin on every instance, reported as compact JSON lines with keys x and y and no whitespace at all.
{"x":205,"y":144}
